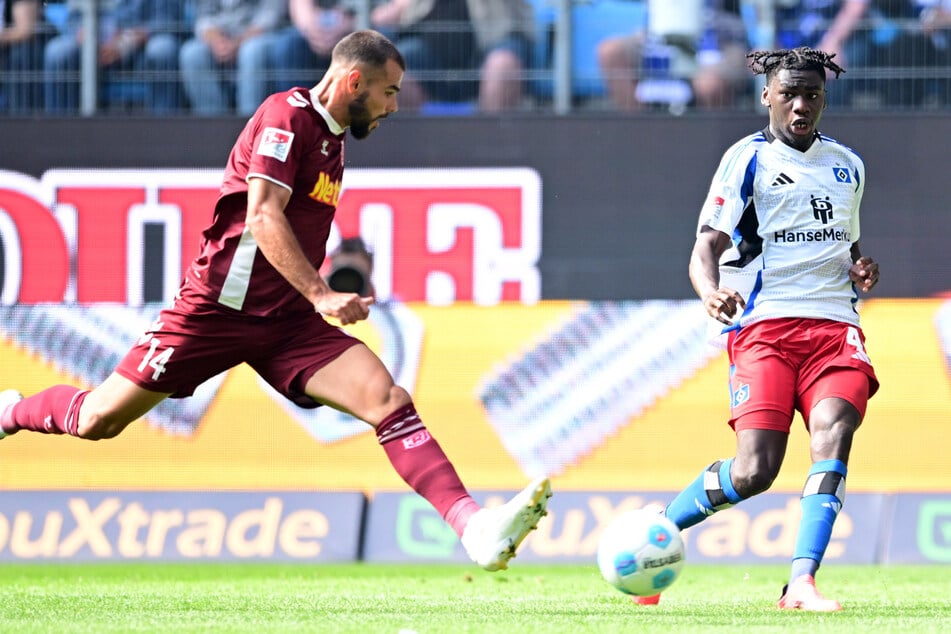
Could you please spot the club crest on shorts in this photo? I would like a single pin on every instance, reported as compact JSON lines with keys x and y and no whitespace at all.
{"x":741,"y":395}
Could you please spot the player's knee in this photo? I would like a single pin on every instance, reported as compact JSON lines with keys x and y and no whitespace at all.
{"x":383,"y":403}
{"x":397,"y":397}
{"x":753,"y":483}
{"x":752,"y":479}
{"x":833,"y":442}
{"x":831,"y":436}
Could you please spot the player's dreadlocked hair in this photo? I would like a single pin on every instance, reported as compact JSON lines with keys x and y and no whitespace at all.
{"x":802,"y":58}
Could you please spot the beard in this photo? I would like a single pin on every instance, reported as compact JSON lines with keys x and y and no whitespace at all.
{"x":360,"y":119}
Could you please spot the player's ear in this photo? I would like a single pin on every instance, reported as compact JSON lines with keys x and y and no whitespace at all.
{"x":764,"y":97}
{"x":355,"y":81}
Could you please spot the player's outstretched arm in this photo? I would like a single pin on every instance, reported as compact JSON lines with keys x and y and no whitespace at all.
{"x":276,"y":239}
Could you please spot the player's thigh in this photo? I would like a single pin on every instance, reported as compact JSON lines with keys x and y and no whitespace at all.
{"x":762,"y":390}
{"x":832,"y":424}
{"x":837,"y":367}
{"x":299,"y":347}
{"x":840,"y":394}
{"x":357,"y":382}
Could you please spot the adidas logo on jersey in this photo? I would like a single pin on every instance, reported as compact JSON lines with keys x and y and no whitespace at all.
{"x":782,"y":179}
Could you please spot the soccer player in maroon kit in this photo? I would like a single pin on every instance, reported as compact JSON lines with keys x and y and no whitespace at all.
{"x":254,"y":295}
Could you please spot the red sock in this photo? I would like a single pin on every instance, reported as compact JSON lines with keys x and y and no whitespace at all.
{"x":53,"y":411}
{"x":420,"y":461}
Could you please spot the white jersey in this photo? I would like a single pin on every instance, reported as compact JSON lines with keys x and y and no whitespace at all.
{"x":793,"y":217}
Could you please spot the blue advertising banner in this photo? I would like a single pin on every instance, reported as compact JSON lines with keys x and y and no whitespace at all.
{"x":403,"y":527}
{"x":306,"y":527}
{"x":921,"y":530}
{"x":176,"y":525}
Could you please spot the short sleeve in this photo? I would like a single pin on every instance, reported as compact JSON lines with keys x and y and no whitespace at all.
{"x":730,"y":189}
{"x":278,"y":143}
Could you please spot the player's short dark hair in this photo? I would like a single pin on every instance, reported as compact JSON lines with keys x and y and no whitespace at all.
{"x":802,"y":58}
{"x":367,"y":47}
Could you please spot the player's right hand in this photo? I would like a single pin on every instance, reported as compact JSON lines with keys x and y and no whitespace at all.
{"x":723,"y":305}
{"x":349,"y":308}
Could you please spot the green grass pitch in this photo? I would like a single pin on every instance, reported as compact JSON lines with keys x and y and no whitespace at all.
{"x":446,"y":599}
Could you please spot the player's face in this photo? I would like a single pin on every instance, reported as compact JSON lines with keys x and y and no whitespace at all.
{"x":377,"y":100}
{"x":796,"y":99}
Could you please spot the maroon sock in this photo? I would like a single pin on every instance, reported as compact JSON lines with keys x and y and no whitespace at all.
{"x":420,"y":461}
{"x":53,"y":411}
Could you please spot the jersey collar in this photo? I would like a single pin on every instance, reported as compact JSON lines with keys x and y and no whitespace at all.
{"x":335,"y":127}
{"x":770,"y":137}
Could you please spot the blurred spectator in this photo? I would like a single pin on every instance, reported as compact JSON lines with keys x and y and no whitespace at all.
{"x":824,"y":25}
{"x":459,"y":50}
{"x":811,"y":22}
{"x":935,"y":16}
{"x":701,"y":44}
{"x":889,"y":46}
{"x":134,"y":36}
{"x":302,"y":50}
{"x":21,"y":51}
{"x":935,"y":19}
{"x":228,"y":62}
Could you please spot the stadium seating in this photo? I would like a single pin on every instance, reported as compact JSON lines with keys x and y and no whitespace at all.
{"x":592,"y":21}
{"x":126,"y":88}
{"x":111,"y":93}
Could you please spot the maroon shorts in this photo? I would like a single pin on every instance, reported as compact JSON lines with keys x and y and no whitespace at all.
{"x":778,"y":366}
{"x":194,"y":341}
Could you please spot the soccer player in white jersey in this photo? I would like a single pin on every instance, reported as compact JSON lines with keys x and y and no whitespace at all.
{"x":254,"y":295}
{"x":777,"y":262}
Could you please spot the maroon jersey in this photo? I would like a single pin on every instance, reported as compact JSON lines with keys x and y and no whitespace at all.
{"x":293,"y":141}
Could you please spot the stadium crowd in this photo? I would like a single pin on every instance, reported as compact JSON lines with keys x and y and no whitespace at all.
{"x":217,"y":57}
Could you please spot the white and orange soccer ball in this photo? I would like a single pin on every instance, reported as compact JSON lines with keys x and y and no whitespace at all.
{"x":641,"y":552}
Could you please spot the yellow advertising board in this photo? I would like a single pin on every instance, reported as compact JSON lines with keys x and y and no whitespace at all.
{"x":602,"y":396}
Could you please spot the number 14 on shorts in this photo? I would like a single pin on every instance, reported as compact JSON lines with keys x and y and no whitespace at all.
{"x":152,"y":360}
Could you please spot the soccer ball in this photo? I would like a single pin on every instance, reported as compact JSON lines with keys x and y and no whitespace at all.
{"x":641,"y":552}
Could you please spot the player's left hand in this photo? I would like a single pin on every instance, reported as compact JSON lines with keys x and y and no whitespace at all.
{"x":864,"y":273}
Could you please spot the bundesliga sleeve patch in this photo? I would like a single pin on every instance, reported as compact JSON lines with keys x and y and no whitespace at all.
{"x":276,"y":143}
